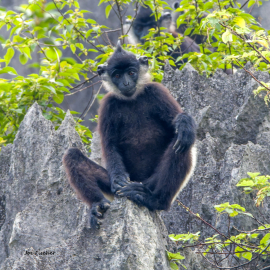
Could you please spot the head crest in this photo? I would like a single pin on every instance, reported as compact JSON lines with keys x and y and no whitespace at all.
{"x":119,"y":47}
{"x":121,"y":58}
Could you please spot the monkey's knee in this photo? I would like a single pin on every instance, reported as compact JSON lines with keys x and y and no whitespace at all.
{"x":73,"y":154}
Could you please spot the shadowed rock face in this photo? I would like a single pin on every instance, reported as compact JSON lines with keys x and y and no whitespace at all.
{"x":39,"y":211}
{"x":233,"y":138}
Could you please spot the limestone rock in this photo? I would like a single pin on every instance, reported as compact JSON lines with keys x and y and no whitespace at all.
{"x":43,"y":224}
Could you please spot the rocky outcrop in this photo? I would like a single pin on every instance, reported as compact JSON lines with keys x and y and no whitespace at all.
{"x":44,"y":226}
{"x":39,"y":212}
{"x":233,"y":139}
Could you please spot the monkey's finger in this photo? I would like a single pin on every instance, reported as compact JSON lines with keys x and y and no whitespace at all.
{"x":95,"y":212}
{"x":181,"y":149}
{"x":104,"y":206}
{"x":176,"y":143}
{"x":122,"y":183}
{"x":132,"y":188}
{"x":139,"y":198}
{"x":95,"y":223}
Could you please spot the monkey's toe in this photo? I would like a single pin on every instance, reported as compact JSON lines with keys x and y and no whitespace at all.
{"x":95,"y":222}
{"x":96,"y":213}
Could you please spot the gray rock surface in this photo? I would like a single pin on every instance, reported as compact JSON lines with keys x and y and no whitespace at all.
{"x":40,"y":213}
{"x":233,"y":139}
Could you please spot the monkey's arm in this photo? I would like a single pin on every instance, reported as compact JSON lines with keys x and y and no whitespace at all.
{"x":170,"y":112}
{"x":185,"y":130}
{"x":108,"y":129}
{"x":170,"y":176}
{"x":115,"y":167}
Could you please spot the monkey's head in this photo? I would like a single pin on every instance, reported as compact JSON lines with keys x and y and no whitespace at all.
{"x":125,"y":75}
{"x":145,"y":20}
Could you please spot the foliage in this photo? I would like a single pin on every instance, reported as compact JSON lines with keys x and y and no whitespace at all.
{"x":256,"y":182}
{"x":39,"y":33}
{"x":247,"y":245}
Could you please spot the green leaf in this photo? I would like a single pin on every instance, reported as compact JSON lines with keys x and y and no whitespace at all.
{"x":27,"y":51}
{"x":9,"y":70}
{"x":247,"y":255}
{"x":58,"y":98}
{"x":174,"y":266}
{"x":91,"y":21}
{"x":251,"y":3}
{"x":9,"y":55}
{"x":227,"y":36}
{"x":240,"y":21}
{"x":23,"y":58}
{"x":253,"y":175}
{"x":73,"y":48}
{"x":76,"y":4}
{"x":176,"y":256}
{"x":265,"y":240}
{"x":108,"y":10}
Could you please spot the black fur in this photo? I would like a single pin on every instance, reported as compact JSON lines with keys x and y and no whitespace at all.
{"x":146,"y":142}
{"x":145,"y":20}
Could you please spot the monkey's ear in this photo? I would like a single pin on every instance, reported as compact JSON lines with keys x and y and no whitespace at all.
{"x":101,"y":69}
{"x":176,"y":5}
{"x":166,"y":16}
{"x":143,"y":60}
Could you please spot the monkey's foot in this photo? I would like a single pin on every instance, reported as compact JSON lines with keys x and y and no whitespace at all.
{"x":138,"y":193}
{"x":96,"y":213}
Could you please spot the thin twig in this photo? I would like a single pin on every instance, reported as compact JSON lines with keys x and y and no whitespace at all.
{"x":80,"y":90}
{"x":244,"y":4}
{"x":120,"y":15}
{"x":253,"y":231}
{"x":244,"y":39}
{"x":85,"y":113}
{"x":233,"y":267}
{"x":110,"y":31}
{"x":208,"y":224}
{"x":237,"y":266}
{"x":260,"y":84}
{"x":136,"y":12}
{"x":77,"y":30}
{"x":86,"y":81}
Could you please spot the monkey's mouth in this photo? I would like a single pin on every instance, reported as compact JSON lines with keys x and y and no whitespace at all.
{"x":129,"y":92}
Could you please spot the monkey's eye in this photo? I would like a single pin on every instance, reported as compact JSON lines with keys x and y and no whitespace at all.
{"x":131,"y":73}
{"x":139,"y":28}
{"x":117,"y":76}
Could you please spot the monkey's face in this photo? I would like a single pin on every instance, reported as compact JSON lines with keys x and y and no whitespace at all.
{"x":125,"y":80}
{"x":142,"y":29}
{"x":125,"y":75}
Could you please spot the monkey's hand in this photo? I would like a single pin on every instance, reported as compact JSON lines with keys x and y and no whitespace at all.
{"x":119,"y":181}
{"x":140,"y":194}
{"x":186,"y":132}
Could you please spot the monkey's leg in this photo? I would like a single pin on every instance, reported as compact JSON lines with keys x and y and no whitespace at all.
{"x":90,"y":182}
{"x":170,"y":177}
{"x":172,"y":173}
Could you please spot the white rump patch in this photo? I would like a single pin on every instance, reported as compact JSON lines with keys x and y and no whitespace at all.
{"x":193,"y":153}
